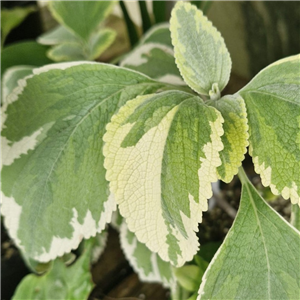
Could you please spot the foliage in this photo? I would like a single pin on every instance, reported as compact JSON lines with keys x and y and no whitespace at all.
{"x":81,"y":140}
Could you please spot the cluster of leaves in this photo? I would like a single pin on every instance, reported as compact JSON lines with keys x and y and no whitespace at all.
{"x":80,"y":137}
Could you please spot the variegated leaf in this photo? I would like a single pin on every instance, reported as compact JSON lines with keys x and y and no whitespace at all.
{"x":259,"y":258}
{"x":273,"y":107}
{"x":53,"y":179}
{"x":200,"y":52}
{"x":148,"y":265}
{"x":235,"y":138}
{"x":161,"y":155}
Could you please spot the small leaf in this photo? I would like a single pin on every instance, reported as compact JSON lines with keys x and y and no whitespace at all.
{"x":81,"y":17}
{"x":155,"y":60}
{"x":235,"y":138}
{"x":259,"y":258}
{"x":189,"y":277}
{"x":58,"y":35}
{"x":61,"y":282}
{"x":161,"y":153}
{"x":11,"y":18}
{"x":200,"y":52}
{"x":273,"y":106}
{"x":53,"y":179}
{"x":148,"y":265}
{"x":158,"y":34}
{"x":66,"y":52}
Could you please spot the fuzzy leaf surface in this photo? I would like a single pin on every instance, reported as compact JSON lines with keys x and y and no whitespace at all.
{"x":259,"y":258}
{"x":161,"y":155}
{"x":53,"y":179}
{"x":200,"y":51}
{"x":273,"y":106}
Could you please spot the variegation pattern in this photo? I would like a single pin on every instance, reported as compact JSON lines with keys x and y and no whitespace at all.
{"x":273,"y":106}
{"x":200,"y":52}
{"x":148,"y":265}
{"x":53,"y":179}
{"x":161,"y":155}
{"x":235,"y":138}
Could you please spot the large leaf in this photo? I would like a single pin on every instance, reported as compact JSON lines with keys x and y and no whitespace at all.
{"x":148,"y":265}
{"x":10,"y":79}
{"x":61,"y":282}
{"x":81,"y":17}
{"x":259,"y":258}
{"x":200,"y":52}
{"x":53,"y":177}
{"x":235,"y":138}
{"x":273,"y":107}
{"x":161,"y":154}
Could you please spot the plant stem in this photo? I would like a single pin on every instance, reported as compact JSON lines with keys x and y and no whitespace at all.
{"x":295,"y":216}
{"x":159,"y":11}
{"x":242,"y":175}
{"x":132,"y":33}
{"x":145,"y":16}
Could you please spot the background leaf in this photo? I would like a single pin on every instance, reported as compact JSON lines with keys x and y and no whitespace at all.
{"x":273,"y":104}
{"x":81,"y":17}
{"x":200,"y":52}
{"x":259,"y":258}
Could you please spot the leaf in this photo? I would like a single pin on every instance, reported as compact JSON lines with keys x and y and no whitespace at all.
{"x":100,"y":42}
{"x":200,"y":52}
{"x":273,"y":104}
{"x":148,"y":265}
{"x":235,"y":138}
{"x":161,"y":153}
{"x":81,"y":17}
{"x":156,"y":61}
{"x":61,"y":282}
{"x":11,"y":18}
{"x":53,"y":179}
{"x":10,"y":79}
{"x":158,"y":34}
{"x":98,"y":245}
{"x":66,"y":52}
{"x":58,"y":35}
{"x":259,"y":258}
{"x":189,"y":277}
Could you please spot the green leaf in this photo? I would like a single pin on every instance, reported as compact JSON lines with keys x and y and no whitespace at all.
{"x":22,"y":54}
{"x":189,"y":277}
{"x":100,"y":42}
{"x":273,"y":106}
{"x":11,"y":18}
{"x":200,"y":52}
{"x":66,"y":52}
{"x":148,"y":265}
{"x":53,"y":179}
{"x":61,"y":282}
{"x":81,"y":17}
{"x":159,"y":34}
{"x":59,"y":34}
{"x":295,"y":216}
{"x":161,"y":155}
{"x":11,"y":77}
{"x":259,"y":258}
{"x":235,"y":138}
{"x":155,"y":60}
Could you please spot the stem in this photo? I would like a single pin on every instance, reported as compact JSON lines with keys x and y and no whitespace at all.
{"x":159,"y":11}
{"x":242,"y":175}
{"x":145,"y":16}
{"x":295,"y":216}
{"x":132,"y":33}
